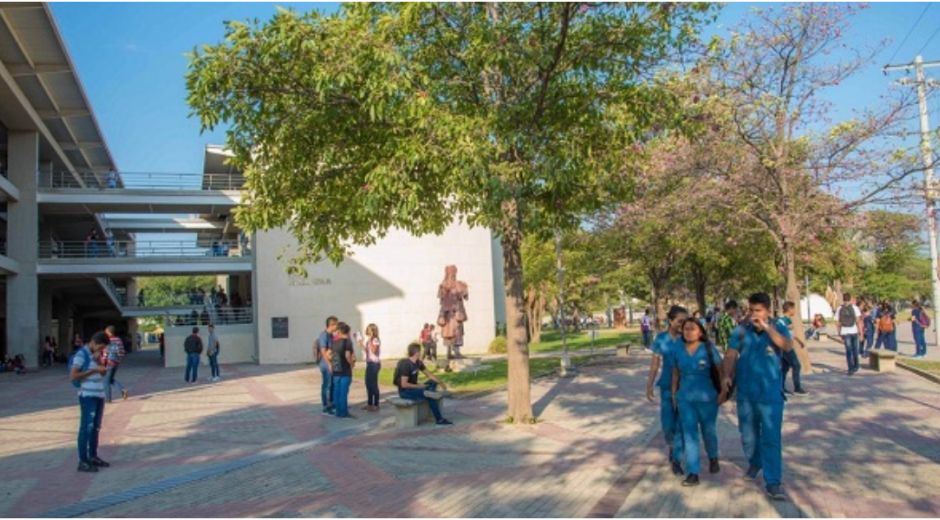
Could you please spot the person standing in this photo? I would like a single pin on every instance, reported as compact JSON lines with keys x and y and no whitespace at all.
{"x":193,"y":347}
{"x":212,"y":351}
{"x":664,"y":346}
{"x":753,"y":362}
{"x":696,"y":378}
{"x":321,"y":349}
{"x":885,"y":326}
{"x":406,"y":379}
{"x":372,"y":346}
{"x":789,"y":360}
{"x":88,"y":376}
{"x":112,"y":358}
{"x":920,"y":322}
{"x":646,"y":327}
{"x":48,"y":352}
{"x":849,"y":324}
{"x":342,"y":360}
{"x":868,"y":326}
{"x":726,"y":323}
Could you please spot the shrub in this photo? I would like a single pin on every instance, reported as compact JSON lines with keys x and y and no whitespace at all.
{"x":498,"y":345}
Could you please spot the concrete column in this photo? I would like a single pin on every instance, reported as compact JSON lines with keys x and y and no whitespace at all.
{"x":132,"y":332}
{"x":64,"y":314}
{"x":132,"y":293}
{"x":22,"y":246}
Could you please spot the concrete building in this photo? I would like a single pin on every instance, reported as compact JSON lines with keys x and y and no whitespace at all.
{"x":70,"y":256}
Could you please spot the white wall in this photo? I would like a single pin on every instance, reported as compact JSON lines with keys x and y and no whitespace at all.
{"x":392,"y":284}
{"x":237,"y":344}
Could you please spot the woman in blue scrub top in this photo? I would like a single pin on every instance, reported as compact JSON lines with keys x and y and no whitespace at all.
{"x":664,"y":346}
{"x":696,"y":396}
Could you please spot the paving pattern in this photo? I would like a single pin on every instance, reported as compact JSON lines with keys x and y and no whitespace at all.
{"x":256,"y":445}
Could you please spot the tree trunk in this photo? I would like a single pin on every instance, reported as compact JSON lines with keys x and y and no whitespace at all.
{"x":517,"y":350}
{"x":535,"y":309}
{"x":793,"y":294}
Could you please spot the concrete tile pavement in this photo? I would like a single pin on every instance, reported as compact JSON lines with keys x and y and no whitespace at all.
{"x":864,"y":445}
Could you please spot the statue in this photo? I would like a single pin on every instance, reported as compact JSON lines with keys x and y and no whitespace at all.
{"x":452,"y":294}
{"x":620,"y":318}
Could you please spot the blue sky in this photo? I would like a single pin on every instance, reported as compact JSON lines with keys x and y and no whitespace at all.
{"x":131,"y":60}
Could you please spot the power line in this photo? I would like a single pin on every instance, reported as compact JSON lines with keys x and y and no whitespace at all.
{"x":909,"y":32}
{"x":929,"y":40}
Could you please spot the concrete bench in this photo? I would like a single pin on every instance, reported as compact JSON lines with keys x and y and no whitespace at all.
{"x":623,"y":350}
{"x":410,"y":413}
{"x":882,"y":360}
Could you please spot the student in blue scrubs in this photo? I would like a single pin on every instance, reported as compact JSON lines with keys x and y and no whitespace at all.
{"x":753,"y":361}
{"x":696,"y":396}
{"x":664,"y":345}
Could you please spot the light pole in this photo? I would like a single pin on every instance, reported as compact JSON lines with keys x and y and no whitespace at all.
{"x":565,"y":369}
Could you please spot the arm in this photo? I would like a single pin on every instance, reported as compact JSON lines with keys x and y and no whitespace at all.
{"x":727,"y":369}
{"x":78,"y":374}
{"x":675,"y":385}
{"x":434,"y":378}
{"x":351,"y":358}
{"x":651,"y":378}
{"x":328,"y":354}
{"x":782,"y":342}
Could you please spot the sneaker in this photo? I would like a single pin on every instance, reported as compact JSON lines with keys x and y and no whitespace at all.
{"x":326,"y":411}
{"x":800,"y":391}
{"x":752,"y":473}
{"x":713,"y":466}
{"x":87,"y":467}
{"x":775,"y":492}
{"x":691,"y":480}
{"x":677,"y":468}
{"x":124,"y":394}
{"x":444,"y":422}
{"x":347,"y":416}
{"x":787,"y":391}
{"x":96,"y":461}
{"x":433,"y":394}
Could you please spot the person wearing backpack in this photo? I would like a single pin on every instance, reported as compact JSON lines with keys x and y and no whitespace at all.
{"x":342,"y":359}
{"x":696,"y":380}
{"x":920,"y":322}
{"x":88,"y":376}
{"x":849,"y":324}
{"x":885,"y":325}
{"x":868,"y":322}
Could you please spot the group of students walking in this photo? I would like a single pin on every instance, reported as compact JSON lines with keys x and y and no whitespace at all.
{"x":694,"y":380}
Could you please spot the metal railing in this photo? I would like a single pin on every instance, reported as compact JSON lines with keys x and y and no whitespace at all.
{"x":143,"y":181}
{"x":219,"y":316}
{"x":140,"y":249}
{"x":119,"y":293}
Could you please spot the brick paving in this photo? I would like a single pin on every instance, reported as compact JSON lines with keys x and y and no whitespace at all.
{"x":256,"y":445}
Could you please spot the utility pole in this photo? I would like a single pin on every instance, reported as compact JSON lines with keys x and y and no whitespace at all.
{"x":921,"y":84}
{"x":565,"y":369}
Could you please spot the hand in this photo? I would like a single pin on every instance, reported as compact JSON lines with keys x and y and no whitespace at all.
{"x":726,"y":385}
{"x":722,"y":396}
{"x":649,"y":393}
{"x":102,"y":370}
{"x":759,"y":324}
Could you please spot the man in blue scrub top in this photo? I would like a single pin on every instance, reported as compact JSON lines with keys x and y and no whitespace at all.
{"x":753,"y":360}
{"x":664,"y":347}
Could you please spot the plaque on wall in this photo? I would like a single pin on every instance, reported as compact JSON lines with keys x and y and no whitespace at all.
{"x":279,"y":328}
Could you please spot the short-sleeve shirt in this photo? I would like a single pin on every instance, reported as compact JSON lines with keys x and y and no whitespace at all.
{"x":915,"y":313}
{"x":324,"y":341}
{"x":645,"y":322}
{"x":758,"y":370}
{"x":854,"y":328}
{"x":409,"y":369}
{"x":665,"y":345}
{"x":341,"y":365}
{"x":695,"y":379}
{"x":370,"y":357}
{"x":93,"y":385}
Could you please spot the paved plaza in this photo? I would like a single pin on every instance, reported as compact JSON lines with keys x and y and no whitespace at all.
{"x":256,"y":445}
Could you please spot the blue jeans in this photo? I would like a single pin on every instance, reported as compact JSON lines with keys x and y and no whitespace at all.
{"x":372,"y":382}
{"x":647,"y":338}
{"x":790,"y":360}
{"x":672,"y":427}
{"x":326,"y":386}
{"x":851,"y":351}
{"x":417,"y":394}
{"x":110,"y":380}
{"x":695,"y":416}
{"x":869,"y":340}
{"x":761,"y":426}
{"x":341,"y":394}
{"x":92,"y":411}
{"x":214,"y":365}
{"x":192,"y":367}
{"x":920,"y":341}
{"x":888,"y":339}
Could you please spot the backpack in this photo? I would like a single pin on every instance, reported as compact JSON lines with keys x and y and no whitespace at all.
{"x":77,"y":383}
{"x":885,"y":324}
{"x":923,"y":320}
{"x":846,"y":316}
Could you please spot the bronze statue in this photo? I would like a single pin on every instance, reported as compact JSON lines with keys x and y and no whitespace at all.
{"x":452,"y":294}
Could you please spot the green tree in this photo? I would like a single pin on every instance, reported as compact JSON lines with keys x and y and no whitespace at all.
{"x":166,"y":291}
{"x":518,"y":117}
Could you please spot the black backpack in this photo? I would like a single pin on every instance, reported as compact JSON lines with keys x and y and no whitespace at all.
{"x":847,"y":315}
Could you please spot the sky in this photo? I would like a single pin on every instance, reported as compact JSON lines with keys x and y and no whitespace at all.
{"x":131,"y":59}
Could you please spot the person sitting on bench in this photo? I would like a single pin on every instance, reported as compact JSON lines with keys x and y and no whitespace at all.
{"x":406,"y":379}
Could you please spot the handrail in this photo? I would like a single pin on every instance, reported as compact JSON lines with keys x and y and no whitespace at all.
{"x":119,"y":296}
{"x":144,"y":180}
{"x":140,"y":249}
{"x":222,"y":316}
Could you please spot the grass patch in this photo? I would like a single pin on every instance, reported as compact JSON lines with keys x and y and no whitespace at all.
{"x":932,"y":367}
{"x":582,"y":340}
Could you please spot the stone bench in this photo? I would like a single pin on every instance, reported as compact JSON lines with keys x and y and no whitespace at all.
{"x":410,"y":413}
{"x":623,"y":350}
{"x":882,"y":360}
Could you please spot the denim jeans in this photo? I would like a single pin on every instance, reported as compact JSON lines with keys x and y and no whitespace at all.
{"x":372,"y":382}
{"x":326,"y":386}
{"x":789,"y":360}
{"x":695,"y":416}
{"x":920,"y":341}
{"x":888,"y":339}
{"x":672,"y":427}
{"x":192,"y":367}
{"x":214,"y":365}
{"x":869,"y":340}
{"x":92,"y":411}
{"x":851,"y":351}
{"x":110,"y":380}
{"x":417,"y":394}
{"x":647,"y":338}
{"x":341,"y":394}
{"x":761,"y":426}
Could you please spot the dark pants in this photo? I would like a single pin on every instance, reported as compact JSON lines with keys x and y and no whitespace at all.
{"x":372,"y":382}
{"x":851,"y":351}
{"x":192,"y":367}
{"x":888,"y":339}
{"x":92,"y":411}
{"x":647,"y":338}
{"x":761,"y":426}
{"x":214,"y":365}
{"x":326,"y":386}
{"x":790,"y":360}
{"x":341,"y":394}
{"x":920,"y":341}
{"x":110,"y":380}
{"x":417,"y":394}
{"x":869,"y":342}
{"x":430,"y":350}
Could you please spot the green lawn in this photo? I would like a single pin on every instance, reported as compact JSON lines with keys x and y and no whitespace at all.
{"x":927,"y":366}
{"x":551,"y":340}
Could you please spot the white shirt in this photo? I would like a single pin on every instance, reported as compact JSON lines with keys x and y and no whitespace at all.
{"x":854,"y":328}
